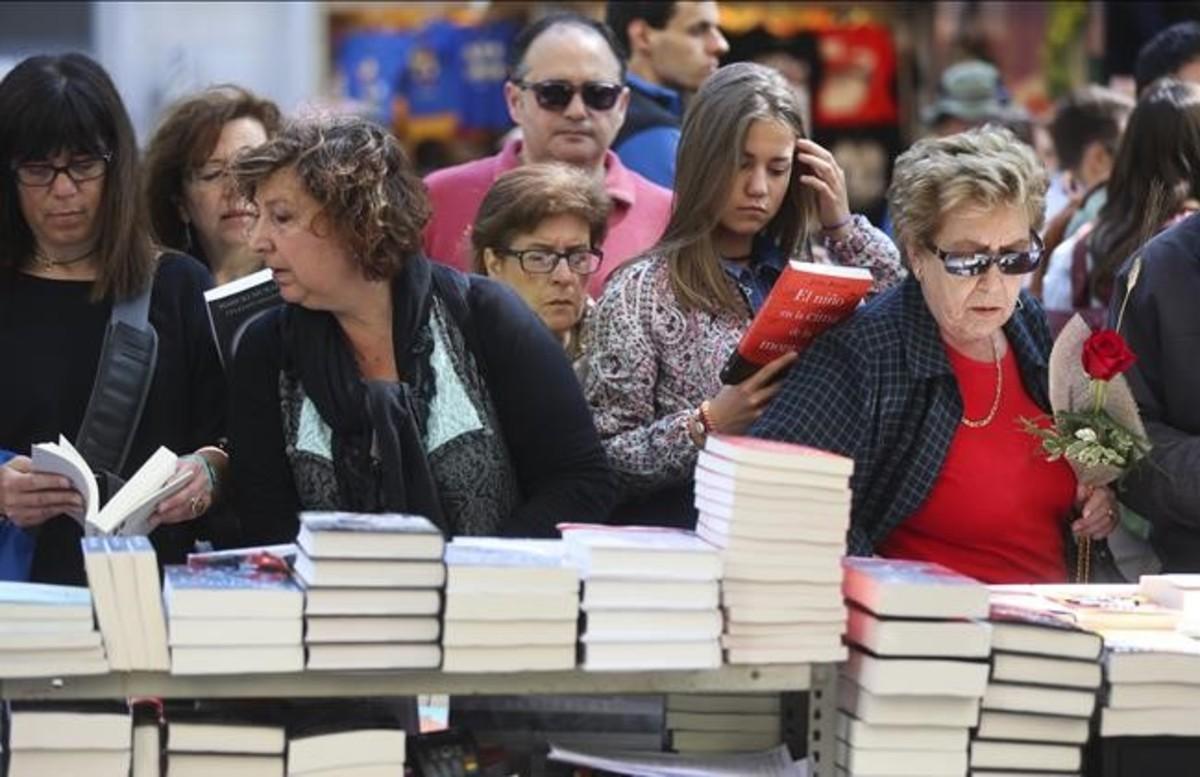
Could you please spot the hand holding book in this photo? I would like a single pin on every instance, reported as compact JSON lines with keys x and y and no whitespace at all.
{"x":736,"y":407}
{"x":31,"y":498}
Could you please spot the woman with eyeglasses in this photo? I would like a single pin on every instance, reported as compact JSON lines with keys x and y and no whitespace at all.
{"x":926,"y":386}
{"x":193,"y":205}
{"x":73,"y":245}
{"x":751,"y":193}
{"x":537,"y":231}
{"x":388,"y":383}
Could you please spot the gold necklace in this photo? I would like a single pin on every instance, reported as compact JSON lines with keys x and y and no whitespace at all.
{"x":967,"y":422}
{"x":49,"y":264}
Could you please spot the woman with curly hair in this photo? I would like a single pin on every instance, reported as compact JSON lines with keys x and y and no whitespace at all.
{"x":388,"y":383}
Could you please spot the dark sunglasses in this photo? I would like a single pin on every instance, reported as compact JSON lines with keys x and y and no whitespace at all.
{"x":1009,"y":262}
{"x":557,"y":95}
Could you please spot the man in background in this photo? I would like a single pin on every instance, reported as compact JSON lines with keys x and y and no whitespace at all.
{"x":1173,"y":52}
{"x":672,"y":47}
{"x":566,"y":93}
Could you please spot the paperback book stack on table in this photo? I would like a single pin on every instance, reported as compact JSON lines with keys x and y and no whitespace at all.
{"x":48,"y":630}
{"x":1042,"y":691}
{"x":511,"y":606}
{"x":233,"y":618}
{"x":351,"y":752}
{"x":57,"y":738}
{"x":676,"y":625}
{"x":779,"y":514}
{"x":203,"y":743}
{"x":372,"y":584}
{"x":910,"y":690}
{"x":724,"y":723}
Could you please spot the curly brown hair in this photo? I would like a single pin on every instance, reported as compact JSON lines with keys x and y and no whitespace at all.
{"x":361,"y":178}
{"x":183,"y":141}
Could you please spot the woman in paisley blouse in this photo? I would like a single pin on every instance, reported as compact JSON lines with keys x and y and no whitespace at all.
{"x":388,"y":383}
{"x":751,"y":192}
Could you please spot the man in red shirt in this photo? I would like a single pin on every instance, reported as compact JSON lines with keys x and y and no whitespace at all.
{"x":566,"y":92}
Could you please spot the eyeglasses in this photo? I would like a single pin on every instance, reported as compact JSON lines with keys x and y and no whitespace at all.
{"x":557,"y":95}
{"x":582,"y":261}
{"x":1009,"y":262}
{"x":211,"y":174}
{"x":78,"y":170}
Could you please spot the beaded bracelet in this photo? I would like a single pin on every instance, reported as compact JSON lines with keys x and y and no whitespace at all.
{"x":839,"y":225}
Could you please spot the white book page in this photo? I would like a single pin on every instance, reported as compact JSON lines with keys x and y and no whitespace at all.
{"x":768,"y":763}
{"x":144,"y":484}
{"x":61,"y":458}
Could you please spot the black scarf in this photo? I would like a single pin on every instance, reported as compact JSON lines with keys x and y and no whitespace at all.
{"x":378,"y":448}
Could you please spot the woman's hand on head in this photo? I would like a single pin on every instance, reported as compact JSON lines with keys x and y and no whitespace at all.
{"x":191,"y":501}
{"x":820,"y":172}
{"x":31,"y":498}
{"x":1098,"y":511}
{"x":735,"y":408}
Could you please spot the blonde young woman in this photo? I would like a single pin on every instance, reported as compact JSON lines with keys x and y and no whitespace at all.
{"x":751,"y":192}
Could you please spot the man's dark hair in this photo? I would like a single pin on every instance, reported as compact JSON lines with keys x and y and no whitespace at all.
{"x":1089,"y":115}
{"x":1166,"y":52}
{"x":618,"y":14}
{"x":526,"y":37}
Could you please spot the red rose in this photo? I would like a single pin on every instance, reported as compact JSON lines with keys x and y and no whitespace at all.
{"x":1106,"y":355}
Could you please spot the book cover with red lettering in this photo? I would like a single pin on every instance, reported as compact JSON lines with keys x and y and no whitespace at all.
{"x":807,"y":299}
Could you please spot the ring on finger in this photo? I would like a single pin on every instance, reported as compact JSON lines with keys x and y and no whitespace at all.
{"x":196,"y":505}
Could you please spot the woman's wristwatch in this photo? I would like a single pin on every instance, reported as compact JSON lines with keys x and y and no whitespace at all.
{"x":700,"y":425}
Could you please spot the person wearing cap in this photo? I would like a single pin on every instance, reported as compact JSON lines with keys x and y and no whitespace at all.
{"x":970,"y":94}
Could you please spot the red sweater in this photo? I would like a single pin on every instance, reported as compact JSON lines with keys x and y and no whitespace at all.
{"x":997,"y":506}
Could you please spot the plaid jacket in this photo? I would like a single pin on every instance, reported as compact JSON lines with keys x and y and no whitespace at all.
{"x":881,"y":390}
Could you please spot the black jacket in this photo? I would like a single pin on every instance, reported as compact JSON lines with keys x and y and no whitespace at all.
{"x":1162,"y":326}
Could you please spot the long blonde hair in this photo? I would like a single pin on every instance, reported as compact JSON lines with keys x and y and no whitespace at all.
{"x":711,"y":145}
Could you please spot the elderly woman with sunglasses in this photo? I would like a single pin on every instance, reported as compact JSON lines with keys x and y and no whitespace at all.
{"x":926,"y":386}
{"x":537,"y":231}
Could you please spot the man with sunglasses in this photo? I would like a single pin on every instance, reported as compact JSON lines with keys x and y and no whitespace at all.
{"x":672,"y":48}
{"x":925,"y":387}
{"x":566,"y":93}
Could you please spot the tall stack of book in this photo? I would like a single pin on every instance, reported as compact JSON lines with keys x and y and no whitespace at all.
{"x":676,"y":623}
{"x":911,"y":688}
{"x":363,"y":751}
{"x":371,"y":581}
{"x":1042,"y":691}
{"x":1152,"y":674}
{"x":511,"y":606}
{"x":53,"y":738}
{"x":233,"y":619}
{"x":723,"y":723}
{"x":202,"y":744}
{"x":779,"y":514}
{"x":48,"y":631}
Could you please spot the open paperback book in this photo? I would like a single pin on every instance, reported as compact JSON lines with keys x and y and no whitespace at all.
{"x":807,"y":299}
{"x":127,"y":512}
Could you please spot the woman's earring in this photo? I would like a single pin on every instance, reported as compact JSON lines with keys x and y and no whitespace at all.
{"x":1020,"y":303}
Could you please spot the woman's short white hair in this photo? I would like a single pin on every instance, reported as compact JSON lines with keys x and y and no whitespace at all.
{"x":987,"y":166}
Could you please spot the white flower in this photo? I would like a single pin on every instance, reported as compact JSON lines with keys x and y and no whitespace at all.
{"x":1086,"y":434}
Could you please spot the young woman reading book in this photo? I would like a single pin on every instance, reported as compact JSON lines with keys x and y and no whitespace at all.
{"x":751,"y":192}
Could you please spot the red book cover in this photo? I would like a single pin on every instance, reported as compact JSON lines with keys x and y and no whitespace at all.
{"x":807,"y":299}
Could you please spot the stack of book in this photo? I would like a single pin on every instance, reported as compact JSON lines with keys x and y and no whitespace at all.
{"x":200,"y":745}
{"x":48,"y":630}
{"x":53,"y":738}
{"x":364,"y":752}
{"x":372,"y":583}
{"x":911,"y":688}
{"x":723,"y":723}
{"x":779,"y":514}
{"x":1152,"y":673}
{"x":1042,"y":691}
{"x":675,"y":625}
{"x":233,"y":619}
{"x":511,"y":606}
{"x":122,"y":574}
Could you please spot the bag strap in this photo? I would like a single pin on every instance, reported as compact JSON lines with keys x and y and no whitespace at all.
{"x":126,"y":369}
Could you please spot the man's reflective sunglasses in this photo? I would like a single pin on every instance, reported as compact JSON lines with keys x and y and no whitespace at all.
{"x":542,"y":261}
{"x":557,"y":95}
{"x":976,"y":263}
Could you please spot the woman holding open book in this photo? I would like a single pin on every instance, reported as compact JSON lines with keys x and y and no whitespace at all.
{"x":75,"y":257}
{"x":388,"y":383}
{"x":926,"y":386}
{"x":751,"y":192}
